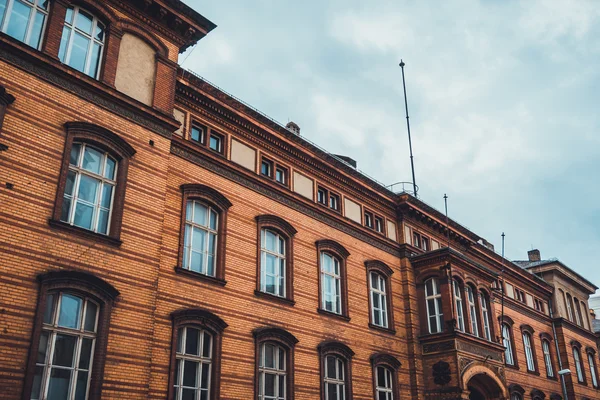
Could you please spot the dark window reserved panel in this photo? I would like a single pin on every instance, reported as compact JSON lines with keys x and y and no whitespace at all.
{"x":198,"y":133}
{"x":266,"y":167}
{"x":281,"y":175}
{"x":368,"y":219}
{"x":216,"y":142}
{"x":334,"y":202}
{"x":322,"y":195}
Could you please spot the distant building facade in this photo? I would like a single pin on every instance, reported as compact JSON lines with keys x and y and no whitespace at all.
{"x":163,"y":240}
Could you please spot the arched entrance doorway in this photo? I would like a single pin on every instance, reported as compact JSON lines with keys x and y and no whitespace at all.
{"x":484,"y":387}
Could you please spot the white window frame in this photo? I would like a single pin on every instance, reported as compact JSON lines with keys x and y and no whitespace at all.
{"x":337,"y":280}
{"x":190,"y":224}
{"x":460,"y":318}
{"x":388,"y":389}
{"x":278,"y":371}
{"x":91,"y":37}
{"x":339,"y":380}
{"x":506,"y":340}
{"x":379,"y":292}
{"x":280,"y":257}
{"x":202,"y":361}
{"x":528,"y":347}
{"x":592,"y":363}
{"x":486,"y":316}
{"x":547,"y":358}
{"x":578,"y":316}
{"x":35,"y":8}
{"x":79,"y":170}
{"x":569,"y":300}
{"x":54,"y":329}
{"x":578,"y":366}
{"x":436,"y":299}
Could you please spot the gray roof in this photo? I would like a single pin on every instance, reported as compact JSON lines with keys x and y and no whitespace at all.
{"x":530,"y":264}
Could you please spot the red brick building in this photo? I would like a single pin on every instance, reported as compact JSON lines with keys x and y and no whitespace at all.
{"x":162,"y":239}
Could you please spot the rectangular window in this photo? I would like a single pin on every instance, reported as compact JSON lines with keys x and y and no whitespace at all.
{"x":425,"y":243}
{"x":379,"y":224}
{"x":281,"y":175}
{"x":334,"y":202}
{"x":322,"y":195}
{"x":368,"y":220}
{"x":416,"y":240}
{"x":266,"y":168}
{"x":216,"y":142}
{"x":198,"y":133}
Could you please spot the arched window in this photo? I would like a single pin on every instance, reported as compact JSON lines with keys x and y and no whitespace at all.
{"x":380,"y":302}
{"x":385,"y":376}
{"x":69,"y":337}
{"x":332,"y":278}
{"x":578,"y":316}
{"x":485,"y":313}
{"x":195,"y":356}
{"x":200,"y":243}
{"x":569,"y":302}
{"x":547,"y":358}
{"x":516,"y":396}
{"x":24,"y":20}
{"x":472,"y":311}
{"x":335,"y":371}
{"x":528,"y":347}
{"x":379,"y":310}
{"x":274,"y":272}
{"x":203,"y":233}
{"x":90,"y":188}
{"x":593,"y":369}
{"x":508,"y":346}
{"x":82,"y":41}
{"x":460,"y":319}
{"x":92,"y":182}
{"x":516,"y":392}
{"x":433,"y":304}
{"x":274,"y":363}
{"x":578,"y":367}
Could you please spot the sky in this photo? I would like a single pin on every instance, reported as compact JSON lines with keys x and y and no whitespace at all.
{"x":503,"y":101}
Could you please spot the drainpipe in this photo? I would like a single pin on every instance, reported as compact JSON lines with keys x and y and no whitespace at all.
{"x":560,"y":366}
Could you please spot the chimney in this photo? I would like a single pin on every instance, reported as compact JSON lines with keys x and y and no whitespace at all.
{"x":534,"y":255}
{"x":292,"y":126}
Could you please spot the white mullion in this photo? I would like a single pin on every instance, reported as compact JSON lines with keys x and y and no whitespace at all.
{"x":88,"y":58}
{"x":7,"y":13}
{"x":48,"y":371}
{"x":75,"y":369}
{"x":71,"y":35}
{"x":32,"y":14}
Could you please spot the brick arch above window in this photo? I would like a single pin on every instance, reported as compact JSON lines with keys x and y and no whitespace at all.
{"x":335,"y":347}
{"x":555,"y":396}
{"x":576,"y":344}
{"x":506,"y":320}
{"x":81,"y":284}
{"x":213,"y":198}
{"x":332,"y":245}
{"x":385,"y":359}
{"x":379,"y":266}
{"x":201,"y":319}
{"x":546,"y":336}
{"x":537,"y":394}
{"x":99,"y":9}
{"x":590,"y":350}
{"x":516,"y":388}
{"x":118,"y":148}
{"x":527,"y":328}
{"x":271,"y":333}
{"x":276,"y":222}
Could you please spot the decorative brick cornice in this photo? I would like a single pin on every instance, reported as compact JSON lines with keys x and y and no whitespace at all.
{"x":280,"y":196}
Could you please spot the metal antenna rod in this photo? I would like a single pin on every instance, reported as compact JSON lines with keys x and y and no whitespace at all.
{"x":449,"y":265}
{"x":502,"y":287}
{"x":412,"y":164}
{"x":447,"y":223}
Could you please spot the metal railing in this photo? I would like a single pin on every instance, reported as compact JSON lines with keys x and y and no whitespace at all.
{"x":403,"y":187}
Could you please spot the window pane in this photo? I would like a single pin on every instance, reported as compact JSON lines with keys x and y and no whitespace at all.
{"x":49,"y":312}
{"x":64,"y":40}
{"x":205,"y":376}
{"x":17,"y":24}
{"x":381,"y":377}
{"x":92,"y":160}
{"x":84,"y":22}
{"x":109,"y":170}
{"x":270,"y":284}
{"x":269,"y":385}
{"x":206,"y":345}
{"x":99,"y":32}
{"x":2,"y":9}
{"x":42,"y":348}
{"x":197,"y":262}
{"x":270,"y":241}
{"x":188,"y":394}
{"x":79,"y":50}
{"x":94,"y":60}
{"x":36,"y":30}
{"x":192,"y":341}
{"x":83,"y":215}
{"x":198,"y":239}
{"x":58,"y":388}
{"x":70,"y":310}
{"x":106,"y":195}
{"x":90,"y":317}
{"x":86,"y":353}
{"x":200,"y":214}
{"x":196,"y":134}
{"x":269,"y":352}
{"x":190,"y":373}
{"x":69,"y":16}
{"x":332,"y":391}
{"x":330,"y":367}
{"x":64,"y":349}
{"x":271,"y":263}
{"x":215,"y":143}
{"x":88,"y":188}
{"x":37,"y":378}
{"x":82,"y":378}
{"x":213,"y":219}
{"x":326,"y":262}
{"x":282,"y":386}
{"x":103,"y":222}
